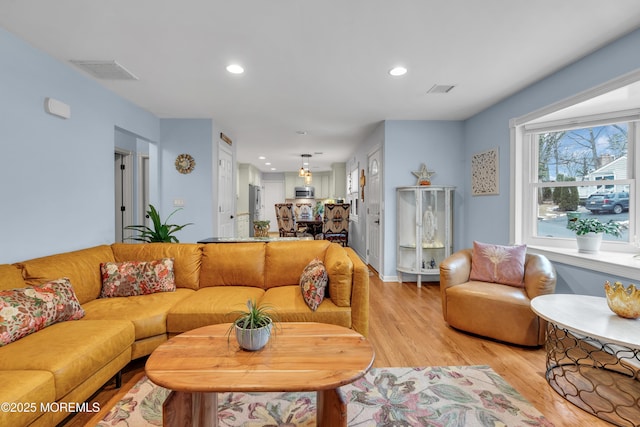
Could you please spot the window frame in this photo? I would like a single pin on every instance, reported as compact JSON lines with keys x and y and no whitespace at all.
{"x":615,"y":257}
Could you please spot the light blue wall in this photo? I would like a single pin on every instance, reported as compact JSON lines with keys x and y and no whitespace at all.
{"x":56,"y":179}
{"x":408,"y":144}
{"x":490,"y":128}
{"x":194,"y":137}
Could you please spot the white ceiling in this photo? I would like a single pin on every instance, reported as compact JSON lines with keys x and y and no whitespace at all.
{"x":319,"y":66}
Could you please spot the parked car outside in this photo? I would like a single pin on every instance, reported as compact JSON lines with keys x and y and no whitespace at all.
{"x":608,"y":202}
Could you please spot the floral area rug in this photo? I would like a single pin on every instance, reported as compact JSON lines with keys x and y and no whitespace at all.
{"x":389,"y":397}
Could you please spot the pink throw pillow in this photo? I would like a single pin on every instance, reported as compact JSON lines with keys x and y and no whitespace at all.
{"x":24,"y":311}
{"x":498,"y":264}
{"x":131,"y":278}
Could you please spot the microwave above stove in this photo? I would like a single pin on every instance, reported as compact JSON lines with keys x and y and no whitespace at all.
{"x":305,"y":192}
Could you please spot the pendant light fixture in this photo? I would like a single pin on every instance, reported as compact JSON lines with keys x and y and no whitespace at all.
{"x":305,"y":172}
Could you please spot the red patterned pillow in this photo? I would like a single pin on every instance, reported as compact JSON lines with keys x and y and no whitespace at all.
{"x":498,"y":264}
{"x":130,"y":278}
{"x":313,"y":283}
{"x":24,"y":311}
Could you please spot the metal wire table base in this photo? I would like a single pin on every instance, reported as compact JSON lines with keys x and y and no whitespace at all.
{"x":597,"y":377}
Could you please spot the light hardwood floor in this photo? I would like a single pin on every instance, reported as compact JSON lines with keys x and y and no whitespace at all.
{"x":407,"y":329}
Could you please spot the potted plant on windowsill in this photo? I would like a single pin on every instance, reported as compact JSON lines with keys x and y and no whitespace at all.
{"x":589,"y":232}
{"x":253,"y":327}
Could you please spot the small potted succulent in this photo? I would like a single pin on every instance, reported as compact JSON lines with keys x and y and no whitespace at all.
{"x":253,"y":327}
{"x":589,"y":232}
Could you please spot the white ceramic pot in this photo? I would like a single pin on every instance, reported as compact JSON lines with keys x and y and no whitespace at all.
{"x":589,"y":243}
{"x":253,"y":339}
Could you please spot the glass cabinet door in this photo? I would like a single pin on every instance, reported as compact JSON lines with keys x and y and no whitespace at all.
{"x":407,"y":231}
{"x":424,"y":229}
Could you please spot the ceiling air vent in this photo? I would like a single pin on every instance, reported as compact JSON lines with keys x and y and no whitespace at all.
{"x":107,"y":70}
{"x":441,"y":89}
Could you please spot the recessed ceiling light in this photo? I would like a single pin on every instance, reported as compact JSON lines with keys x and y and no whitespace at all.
{"x":398,"y":71}
{"x":261,"y":157}
{"x":267,"y":163}
{"x":235,"y":69}
{"x":273,"y":169}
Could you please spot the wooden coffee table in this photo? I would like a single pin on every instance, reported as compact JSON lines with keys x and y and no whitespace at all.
{"x":198,"y":364}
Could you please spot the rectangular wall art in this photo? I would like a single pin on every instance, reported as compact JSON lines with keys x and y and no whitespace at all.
{"x":484,"y":173}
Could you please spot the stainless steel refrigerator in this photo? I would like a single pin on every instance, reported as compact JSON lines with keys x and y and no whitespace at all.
{"x":255,"y":201}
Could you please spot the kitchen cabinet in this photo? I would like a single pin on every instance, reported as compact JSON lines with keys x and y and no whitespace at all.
{"x":242,"y":225}
{"x":338,"y":180}
{"x":321,"y":183}
{"x":424,"y":229}
{"x":327,"y":184}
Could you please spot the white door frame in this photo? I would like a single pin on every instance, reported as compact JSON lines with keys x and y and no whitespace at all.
{"x":370,"y":195}
{"x":123,"y":186}
{"x":226,"y":207}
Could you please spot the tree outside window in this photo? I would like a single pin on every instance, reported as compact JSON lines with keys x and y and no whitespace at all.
{"x":587,"y":156}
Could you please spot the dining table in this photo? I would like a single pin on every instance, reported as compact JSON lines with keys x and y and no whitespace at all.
{"x":313,"y":224}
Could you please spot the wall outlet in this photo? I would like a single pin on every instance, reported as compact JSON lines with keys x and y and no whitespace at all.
{"x":178,"y":203}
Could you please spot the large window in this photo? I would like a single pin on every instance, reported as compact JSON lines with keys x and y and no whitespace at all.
{"x":592,"y":165}
{"x":581,"y":167}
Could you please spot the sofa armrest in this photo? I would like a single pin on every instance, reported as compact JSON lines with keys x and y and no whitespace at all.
{"x":454,"y":270}
{"x":539,"y":276}
{"x":359,"y":294}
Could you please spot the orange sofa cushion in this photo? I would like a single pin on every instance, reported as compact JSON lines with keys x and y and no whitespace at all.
{"x":81,"y":267}
{"x":233,"y":264}
{"x":11,"y":277}
{"x":285,"y":261}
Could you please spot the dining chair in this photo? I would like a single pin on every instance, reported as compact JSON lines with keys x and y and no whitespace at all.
{"x":286,"y":219}
{"x":336,"y":223}
{"x":303,"y":210}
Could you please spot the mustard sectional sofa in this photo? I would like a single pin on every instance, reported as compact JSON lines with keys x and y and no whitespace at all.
{"x":48,"y":373}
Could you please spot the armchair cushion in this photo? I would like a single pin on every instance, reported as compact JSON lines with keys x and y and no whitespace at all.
{"x":498,"y":264}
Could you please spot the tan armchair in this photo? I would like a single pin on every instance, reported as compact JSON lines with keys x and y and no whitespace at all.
{"x":494,"y":310}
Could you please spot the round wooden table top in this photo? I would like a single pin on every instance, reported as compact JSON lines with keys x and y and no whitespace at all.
{"x":298,"y":357}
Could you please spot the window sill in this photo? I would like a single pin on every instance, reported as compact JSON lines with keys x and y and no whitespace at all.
{"x":619,"y":264}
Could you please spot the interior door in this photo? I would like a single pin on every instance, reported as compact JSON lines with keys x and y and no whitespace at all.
{"x":374,"y":246}
{"x":226,"y":220}
{"x":123,"y":202}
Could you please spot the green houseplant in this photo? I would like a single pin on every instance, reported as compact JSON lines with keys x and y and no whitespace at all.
{"x":261,"y":228}
{"x":589,"y":232}
{"x":253,"y":327}
{"x":161,"y":231}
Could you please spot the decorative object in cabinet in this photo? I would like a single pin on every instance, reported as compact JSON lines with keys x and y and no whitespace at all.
{"x":424,"y":229}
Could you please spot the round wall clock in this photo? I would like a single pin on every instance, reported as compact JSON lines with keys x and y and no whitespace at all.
{"x":185,"y":163}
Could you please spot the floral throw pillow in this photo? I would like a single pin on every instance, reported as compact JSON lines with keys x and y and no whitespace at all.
{"x":24,"y":311}
{"x":498,"y":264}
{"x":313,"y":283}
{"x":131,"y":278}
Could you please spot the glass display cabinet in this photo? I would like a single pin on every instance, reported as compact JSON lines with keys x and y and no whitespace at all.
{"x":425,"y":229}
